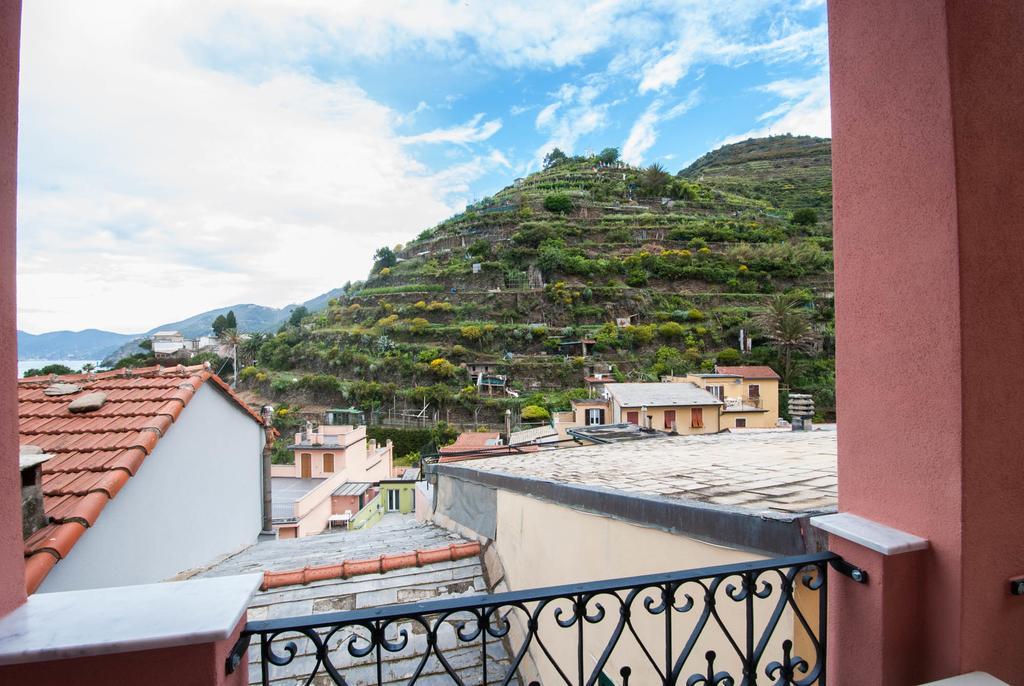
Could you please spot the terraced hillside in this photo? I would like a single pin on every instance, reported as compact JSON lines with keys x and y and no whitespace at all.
{"x":559,"y":256}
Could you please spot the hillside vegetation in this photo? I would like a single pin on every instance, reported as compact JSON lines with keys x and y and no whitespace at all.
{"x":556,"y":257}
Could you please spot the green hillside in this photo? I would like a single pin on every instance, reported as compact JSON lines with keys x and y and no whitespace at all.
{"x":558,"y":256}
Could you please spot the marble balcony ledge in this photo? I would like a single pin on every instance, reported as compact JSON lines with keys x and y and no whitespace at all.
{"x":104,"y":621}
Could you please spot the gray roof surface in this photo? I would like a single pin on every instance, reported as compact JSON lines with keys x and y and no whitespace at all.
{"x":352,"y":488}
{"x":762,"y":472}
{"x":529,"y":435}
{"x":284,"y":491}
{"x":395,"y":533}
{"x":659,"y":394}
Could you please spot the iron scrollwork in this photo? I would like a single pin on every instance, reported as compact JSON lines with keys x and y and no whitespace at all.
{"x":742,"y":624}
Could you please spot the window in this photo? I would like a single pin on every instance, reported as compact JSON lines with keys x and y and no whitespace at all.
{"x":595,"y":415}
{"x":717,"y":391}
{"x":754,"y":390}
{"x":633,"y":418}
{"x":670,"y":419}
{"x":741,"y":422}
{"x":394,"y":500}
{"x":328,"y":463}
{"x":306,"y":466}
{"x":697,"y":418}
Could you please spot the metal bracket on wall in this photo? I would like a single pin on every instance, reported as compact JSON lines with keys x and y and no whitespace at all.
{"x":848,"y":570}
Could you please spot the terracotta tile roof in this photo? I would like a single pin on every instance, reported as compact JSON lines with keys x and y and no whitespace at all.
{"x":471,"y":440}
{"x":95,"y":453}
{"x":749,"y":372}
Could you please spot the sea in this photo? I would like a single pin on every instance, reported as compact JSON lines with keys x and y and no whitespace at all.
{"x":75,"y":365}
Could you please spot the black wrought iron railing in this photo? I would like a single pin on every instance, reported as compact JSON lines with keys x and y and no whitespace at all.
{"x":751,"y":623}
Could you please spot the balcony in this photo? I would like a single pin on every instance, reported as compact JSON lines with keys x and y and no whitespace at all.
{"x":726,"y":624}
{"x":743,"y":404}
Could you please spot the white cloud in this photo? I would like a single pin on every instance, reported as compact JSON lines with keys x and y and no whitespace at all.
{"x":804,"y":110}
{"x":473,"y":131}
{"x":151,"y":189}
{"x":644,"y":133}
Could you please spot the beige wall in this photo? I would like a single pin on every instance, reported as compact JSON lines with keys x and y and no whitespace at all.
{"x":740,"y":388}
{"x":543,"y":544}
{"x":711,"y":420}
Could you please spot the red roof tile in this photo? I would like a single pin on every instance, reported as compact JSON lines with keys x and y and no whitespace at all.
{"x":470,"y":440}
{"x":749,"y":372}
{"x":95,"y":453}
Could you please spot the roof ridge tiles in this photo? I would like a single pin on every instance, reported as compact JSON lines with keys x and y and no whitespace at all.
{"x":373,"y":565}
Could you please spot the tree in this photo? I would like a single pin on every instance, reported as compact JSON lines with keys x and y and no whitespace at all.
{"x":224,"y":322}
{"x":231,"y":339}
{"x":535,"y":413}
{"x":384,"y":257}
{"x":554,"y":157}
{"x":558,"y":202}
{"x":655,"y":179}
{"x":805,"y":216}
{"x":608,"y":156}
{"x":49,"y":369}
{"x":729,"y":356}
{"x":788,"y":329}
{"x":297,"y":315}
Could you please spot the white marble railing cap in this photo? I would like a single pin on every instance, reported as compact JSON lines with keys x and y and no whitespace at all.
{"x":878,"y":537}
{"x":972,"y":679}
{"x":53,"y":626}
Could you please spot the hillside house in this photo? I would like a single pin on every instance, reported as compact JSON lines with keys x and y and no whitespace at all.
{"x":336,"y":471}
{"x":682,"y":408}
{"x":172,"y":344}
{"x":750,"y":394}
{"x":150,"y":472}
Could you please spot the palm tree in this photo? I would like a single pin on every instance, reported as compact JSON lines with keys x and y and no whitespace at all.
{"x":249,"y":347}
{"x":230,"y":338}
{"x":788,"y":329}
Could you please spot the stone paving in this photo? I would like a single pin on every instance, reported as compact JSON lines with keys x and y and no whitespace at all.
{"x":781,"y":472}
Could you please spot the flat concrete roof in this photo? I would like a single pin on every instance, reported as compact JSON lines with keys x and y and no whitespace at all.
{"x":770,"y":472}
{"x":753,"y":489}
{"x":285,"y":490}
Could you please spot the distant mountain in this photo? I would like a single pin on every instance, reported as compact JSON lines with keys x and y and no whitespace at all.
{"x":94,"y":344}
{"x":90,"y":344}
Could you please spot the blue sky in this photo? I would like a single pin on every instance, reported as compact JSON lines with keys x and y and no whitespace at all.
{"x":177,"y":157}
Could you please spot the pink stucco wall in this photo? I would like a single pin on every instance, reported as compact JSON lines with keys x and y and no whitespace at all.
{"x":202,"y":664}
{"x":12,"y":563}
{"x":928,"y":190}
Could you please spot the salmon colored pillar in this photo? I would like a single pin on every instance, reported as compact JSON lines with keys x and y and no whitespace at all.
{"x":928,"y":174}
{"x":12,"y":561}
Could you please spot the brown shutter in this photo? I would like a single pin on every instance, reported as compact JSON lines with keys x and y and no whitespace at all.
{"x":670,"y":419}
{"x":755,"y":390}
{"x":696,"y":418}
{"x":329,"y":462}
{"x":633,"y":418}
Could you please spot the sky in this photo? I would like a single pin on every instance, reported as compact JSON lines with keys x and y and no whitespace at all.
{"x":181,"y":155}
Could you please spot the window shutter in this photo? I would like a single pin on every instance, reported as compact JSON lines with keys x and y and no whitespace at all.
{"x":697,"y":418}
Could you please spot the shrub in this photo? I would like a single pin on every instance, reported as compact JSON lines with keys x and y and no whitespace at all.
{"x":729,"y":356}
{"x":558,"y":202}
{"x":535,"y":413}
{"x":471,"y":333}
{"x":385,"y":272}
{"x":442,"y":367}
{"x":805,"y":216}
{"x":670,"y":330}
{"x":693,"y":314}
{"x":419,"y":325}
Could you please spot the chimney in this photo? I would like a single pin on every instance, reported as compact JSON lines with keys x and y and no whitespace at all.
{"x":801,"y":411}
{"x":268,"y":449}
{"x":33,"y":517}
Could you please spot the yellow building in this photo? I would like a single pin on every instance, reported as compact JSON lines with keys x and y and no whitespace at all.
{"x":750,"y":394}
{"x":680,"y":408}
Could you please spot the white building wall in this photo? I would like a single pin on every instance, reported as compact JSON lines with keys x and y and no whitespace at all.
{"x":197,"y":497}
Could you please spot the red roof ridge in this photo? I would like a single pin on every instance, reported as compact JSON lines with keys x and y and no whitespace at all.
{"x":372,"y":565}
{"x":748,"y":371}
